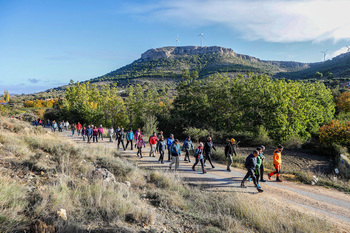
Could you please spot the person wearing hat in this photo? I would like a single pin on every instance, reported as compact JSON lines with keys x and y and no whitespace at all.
{"x":230,"y":149}
{"x":199,"y":157}
{"x":175,"y":154}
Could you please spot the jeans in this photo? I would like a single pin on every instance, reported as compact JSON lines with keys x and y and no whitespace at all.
{"x":176,"y":160}
{"x":139,"y":151}
{"x":78,"y":132}
{"x":94,"y":137}
{"x":122,"y":142}
{"x":169,"y":153}
{"x":100,"y":135}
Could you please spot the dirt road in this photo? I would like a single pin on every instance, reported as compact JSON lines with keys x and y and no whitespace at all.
{"x":329,"y":204}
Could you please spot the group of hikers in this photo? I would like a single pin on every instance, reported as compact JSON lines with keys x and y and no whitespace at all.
{"x":158,"y":144}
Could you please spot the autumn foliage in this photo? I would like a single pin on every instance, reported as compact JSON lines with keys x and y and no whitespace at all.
{"x":40,"y":103}
{"x":343,"y":102}
{"x":335,"y":132}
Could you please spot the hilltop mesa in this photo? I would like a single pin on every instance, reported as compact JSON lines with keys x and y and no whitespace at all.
{"x":172,"y":52}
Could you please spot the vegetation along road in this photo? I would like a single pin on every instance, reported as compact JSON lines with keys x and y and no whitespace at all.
{"x":329,"y":204}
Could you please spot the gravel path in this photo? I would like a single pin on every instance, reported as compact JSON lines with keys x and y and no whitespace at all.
{"x":328,"y":203}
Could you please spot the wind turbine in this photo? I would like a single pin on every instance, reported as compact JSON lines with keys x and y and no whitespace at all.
{"x":177,"y":40}
{"x":201,"y":35}
{"x":324,"y":55}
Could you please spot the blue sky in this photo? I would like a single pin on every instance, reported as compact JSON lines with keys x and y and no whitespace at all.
{"x":45,"y":44}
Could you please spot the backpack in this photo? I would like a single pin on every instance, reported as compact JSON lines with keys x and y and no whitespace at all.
{"x":226,"y":149}
{"x":247,"y":161}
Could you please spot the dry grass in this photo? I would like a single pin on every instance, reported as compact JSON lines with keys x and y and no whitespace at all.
{"x":58,"y":174}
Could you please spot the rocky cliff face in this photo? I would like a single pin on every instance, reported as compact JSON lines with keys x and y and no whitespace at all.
{"x":171,"y":52}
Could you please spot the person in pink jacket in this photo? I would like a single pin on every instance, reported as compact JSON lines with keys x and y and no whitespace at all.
{"x":100,"y":132}
{"x":137,"y":134}
{"x":139,"y":143}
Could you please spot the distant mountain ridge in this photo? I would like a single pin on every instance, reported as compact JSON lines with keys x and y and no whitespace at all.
{"x":169,"y":62}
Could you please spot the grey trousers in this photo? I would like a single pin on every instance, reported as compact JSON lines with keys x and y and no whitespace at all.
{"x":176,"y":160}
{"x":230,"y":161}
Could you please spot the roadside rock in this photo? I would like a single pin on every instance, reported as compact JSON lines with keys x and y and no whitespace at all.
{"x":103,"y":173}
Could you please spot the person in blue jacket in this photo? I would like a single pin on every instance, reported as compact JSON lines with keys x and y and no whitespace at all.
{"x":175,"y":154}
{"x":129,"y":138}
{"x":170,"y":142}
{"x":89,"y":132}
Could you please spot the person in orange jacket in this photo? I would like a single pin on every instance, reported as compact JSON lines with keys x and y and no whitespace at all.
{"x":277,"y":161}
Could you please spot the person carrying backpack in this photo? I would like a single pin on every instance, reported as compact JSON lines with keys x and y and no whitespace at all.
{"x":95,"y":134}
{"x":230,"y":149}
{"x":175,"y":154}
{"x":89,"y":132}
{"x":73,"y":128}
{"x":198,"y":154}
{"x":208,"y":148}
{"x":129,"y":138}
{"x":187,"y":146}
{"x":83,"y":133}
{"x":110,"y":134}
{"x":250,"y":164}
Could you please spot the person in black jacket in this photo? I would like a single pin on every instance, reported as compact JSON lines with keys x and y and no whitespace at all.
{"x":250,"y":164}
{"x":120,"y":137}
{"x":230,"y":149}
{"x":208,"y":147}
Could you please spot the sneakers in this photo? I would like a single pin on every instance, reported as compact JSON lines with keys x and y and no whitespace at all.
{"x":204,"y":172}
{"x":243,"y":186}
{"x":278,"y":180}
{"x":268,"y":175}
{"x":212,"y":166}
{"x":262,"y":180}
{"x":193,"y":169}
{"x":259,"y":186}
{"x":228,"y":169}
{"x":260,"y":190}
{"x":249,"y":179}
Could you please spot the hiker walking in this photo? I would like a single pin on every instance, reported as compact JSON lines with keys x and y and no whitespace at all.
{"x":175,"y":154}
{"x":83,"y":133}
{"x":230,"y":149}
{"x":95,"y":134}
{"x":198,"y":154}
{"x":159,"y":135}
{"x":54,"y":126}
{"x":73,"y":128}
{"x":277,"y":161}
{"x":66,"y":125}
{"x":100,"y":132}
{"x":60,"y":127}
{"x":137,"y":134}
{"x":79,"y":127}
{"x":121,"y":138}
{"x":139,"y":143}
{"x":110,"y":133}
{"x":153,"y":144}
{"x":262,"y":164}
{"x":258,"y":165}
{"x":169,"y":143}
{"x":250,"y":164}
{"x":161,"y":148}
{"x":129,"y":138}
{"x":187,"y":146}
{"x":89,"y":133}
{"x":208,"y":148}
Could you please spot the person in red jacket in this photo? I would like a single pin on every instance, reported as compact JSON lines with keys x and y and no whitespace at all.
{"x":153,"y":140}
{"x":95,"y":134}
{"x":79,"y":127}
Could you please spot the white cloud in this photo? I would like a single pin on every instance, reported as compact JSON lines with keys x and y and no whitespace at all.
{"x":338,"y":52}
{"x":269,"y":20}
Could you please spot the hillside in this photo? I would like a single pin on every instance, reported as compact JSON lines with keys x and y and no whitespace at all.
{"x":169,"y":62}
